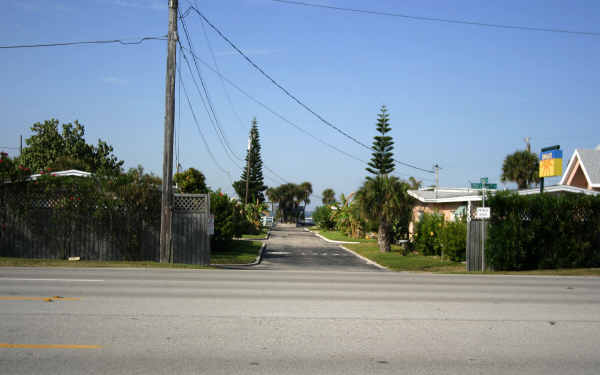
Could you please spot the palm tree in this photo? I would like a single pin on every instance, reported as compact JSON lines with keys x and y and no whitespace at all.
{"x":307,"y":191}
{"x":381,"y":199}
{"x":414,"y":183}
{"x":521,"y":167}
{"x":328,"y":197}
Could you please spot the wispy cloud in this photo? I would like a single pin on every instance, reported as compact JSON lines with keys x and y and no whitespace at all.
{"x":249,"y":52}
{"x":114,"y":80}
{"x":146,"y":4}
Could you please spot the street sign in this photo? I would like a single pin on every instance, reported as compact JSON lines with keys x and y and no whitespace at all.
{"x":479,"y":185}
{"x":483,"y":213}
{"x":483,"y":180}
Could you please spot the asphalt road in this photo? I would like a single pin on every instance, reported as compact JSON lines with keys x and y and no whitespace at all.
{"x":123,"y":321}
{"x":292,"y":248}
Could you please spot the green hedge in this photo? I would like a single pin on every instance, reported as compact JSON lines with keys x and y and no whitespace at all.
{"x":434,"y":236}
{"x":543,"y":231}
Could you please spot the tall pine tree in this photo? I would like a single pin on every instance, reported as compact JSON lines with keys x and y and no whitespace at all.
{"x":382,"y":162}
{"x":254,"y":163}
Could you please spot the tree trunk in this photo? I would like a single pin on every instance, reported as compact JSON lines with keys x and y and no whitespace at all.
{"x":383,"y":238}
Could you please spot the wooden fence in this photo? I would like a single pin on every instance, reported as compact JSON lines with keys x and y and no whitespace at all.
{"x":476,"y":236}
{"x":121,"y":238}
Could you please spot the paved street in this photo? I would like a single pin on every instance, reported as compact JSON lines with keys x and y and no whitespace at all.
{"x":291,"y":248}
{"x":119,"y":321}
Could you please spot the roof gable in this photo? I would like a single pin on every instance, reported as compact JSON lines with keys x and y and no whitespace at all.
{"x":589,"y":162}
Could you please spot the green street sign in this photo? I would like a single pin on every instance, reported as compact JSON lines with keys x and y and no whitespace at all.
{"x":491,"y":186}
{"x":483,"y":180}
{"x":475,"y":185}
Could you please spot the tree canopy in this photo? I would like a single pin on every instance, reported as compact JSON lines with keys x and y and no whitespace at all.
{"x":521,"y":167}
{"x":382,"y":162}
{"x":328,"y":197}
{"x":288,"y":197}
{"x":67,"y":149}
{"x":191,"y":181}
{"x":254,"y":164}
{"x":382,"y":200}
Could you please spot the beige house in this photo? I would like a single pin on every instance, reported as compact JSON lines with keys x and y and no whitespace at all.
{"x":583,"y":170}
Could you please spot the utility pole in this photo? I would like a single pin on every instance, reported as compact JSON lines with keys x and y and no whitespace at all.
{"x":167,"y":184}
{"x":248,"y":166}
{"x":437,"y":175}
{"x":20,"y":145}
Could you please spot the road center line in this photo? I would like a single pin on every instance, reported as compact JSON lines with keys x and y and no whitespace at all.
{"x":33,"y":346}
{"x":68,"y":280}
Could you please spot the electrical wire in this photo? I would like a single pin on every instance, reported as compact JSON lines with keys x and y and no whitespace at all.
{"x":212,"y":156}
{"x":62,"y":44}
{"x":289,"y":94}
{"x":435,"y":19}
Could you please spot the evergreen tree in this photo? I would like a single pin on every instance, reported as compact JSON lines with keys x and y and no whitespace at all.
{"x":254,"y":163}
{"x":382,"y":162}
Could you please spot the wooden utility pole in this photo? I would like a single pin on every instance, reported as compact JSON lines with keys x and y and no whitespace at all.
{"x":167,"y":183}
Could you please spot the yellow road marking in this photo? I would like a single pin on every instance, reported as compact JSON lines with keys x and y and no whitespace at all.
{"x":29,"y":346}
{"x":47,"y":299}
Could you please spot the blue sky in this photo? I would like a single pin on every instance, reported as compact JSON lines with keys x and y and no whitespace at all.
{"x":461,"y":96}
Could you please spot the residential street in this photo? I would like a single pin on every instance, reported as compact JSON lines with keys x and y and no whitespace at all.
{"x":292,"y":248}
{"x":124,"y":321}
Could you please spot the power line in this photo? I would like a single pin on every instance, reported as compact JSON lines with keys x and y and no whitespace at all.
{"x":251,"y":62}
{"x":212,"y":156}
{"x":62,"y":44}
{"x":435,"y":19}
{"x":275,"y":113}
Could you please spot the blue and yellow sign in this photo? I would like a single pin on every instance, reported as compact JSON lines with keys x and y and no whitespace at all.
{"x":551,"y":163}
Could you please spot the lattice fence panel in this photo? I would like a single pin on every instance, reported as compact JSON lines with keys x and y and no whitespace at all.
{"x":191,"y":203}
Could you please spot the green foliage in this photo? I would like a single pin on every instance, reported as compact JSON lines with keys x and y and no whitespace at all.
{"x":288,"y":197}
{"x":328,"y":197}
{"x":323,"y":218}
{"x":191,"y":181}
{"x":435,"y":236}
{"x":230,"y":221}
{"x":382,"y":200}
{"x":348,"y":219}
{"x":256,"y":185}
{"x":10,"y":171}
{"x":119,"y":208}
{"x":49,"y":147}
{"x":521,"y":167}
{"x":253,"y":212}
{"x":382,"y":162}
{"x":543,"y":231}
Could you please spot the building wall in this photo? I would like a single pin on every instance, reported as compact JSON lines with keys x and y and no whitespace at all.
{"x":578,"y":178}
{"x":446,"y":209}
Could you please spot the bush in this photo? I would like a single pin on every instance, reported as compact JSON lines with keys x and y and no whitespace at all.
{"x":322,"y":217}
{"x":543,"y":231}
{"x":229,"y":220}
{"x":434,"y":236}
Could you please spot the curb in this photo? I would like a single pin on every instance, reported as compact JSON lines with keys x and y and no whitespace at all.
{"x":328,"y":240}
{"x":366,"y":259}
{"x":256,"y":262}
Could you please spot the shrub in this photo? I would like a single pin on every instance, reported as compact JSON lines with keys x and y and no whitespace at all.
{"x":229,"y":220}
{"x":322,"y":217}
{"x":435,"y":236}
{"x":543,"y":231}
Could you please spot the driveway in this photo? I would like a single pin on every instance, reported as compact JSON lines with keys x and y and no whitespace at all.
{"x":290,"y":247}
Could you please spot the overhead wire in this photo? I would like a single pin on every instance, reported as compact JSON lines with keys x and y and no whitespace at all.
{"x":289,"y":94}
{"x":212,"y":156}
{"x":62,"y":44}
{"x":436,"y":19}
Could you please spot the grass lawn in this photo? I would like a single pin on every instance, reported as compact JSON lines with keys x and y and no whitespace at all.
{"x":259,"y":236}
{"x":25,"y":262}
{"x":338,"y":236}
{"x":395,"y":261}
{"x":239,"y":252}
